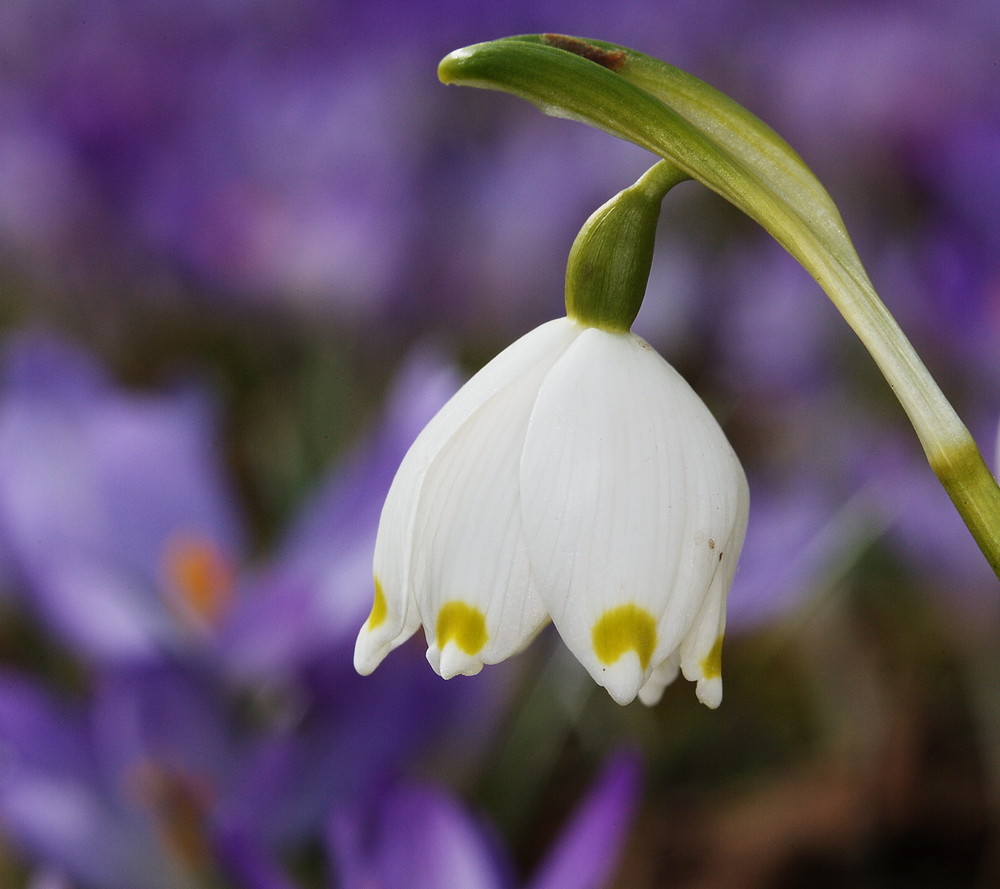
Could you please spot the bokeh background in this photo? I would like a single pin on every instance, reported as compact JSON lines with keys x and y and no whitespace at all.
{"x":247,"y":248}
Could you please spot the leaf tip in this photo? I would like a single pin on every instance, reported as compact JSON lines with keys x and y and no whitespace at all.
{"x":448,"y":66}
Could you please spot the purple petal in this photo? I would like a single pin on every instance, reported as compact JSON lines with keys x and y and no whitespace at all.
{"x":36,"y":733}
{"x":157,"y":718}
{"x":249,"y":865}
{"x":39,"y":365}
{"x":94,"y":607}
{"x":420,"y":839}
{"x":160,"y":477}
{"x":586,"y":853}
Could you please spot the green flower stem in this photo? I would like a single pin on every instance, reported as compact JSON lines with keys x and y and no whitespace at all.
{"x":713,"y":139}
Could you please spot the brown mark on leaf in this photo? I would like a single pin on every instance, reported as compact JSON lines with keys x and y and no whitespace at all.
{"x":612,"y":60}
{"x":711,"y":543}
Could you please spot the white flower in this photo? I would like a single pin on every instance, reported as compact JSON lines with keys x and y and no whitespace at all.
{"x":577,"y":478}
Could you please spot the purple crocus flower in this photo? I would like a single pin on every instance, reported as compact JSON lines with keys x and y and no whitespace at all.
{"x":420,"y":838}
{"x":114,"y":515}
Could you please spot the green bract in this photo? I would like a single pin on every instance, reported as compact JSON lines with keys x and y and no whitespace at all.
{"x":711,"y":138}
{"x":610,"y":259}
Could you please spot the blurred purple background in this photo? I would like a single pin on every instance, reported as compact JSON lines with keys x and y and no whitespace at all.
{"x":246,"y":249}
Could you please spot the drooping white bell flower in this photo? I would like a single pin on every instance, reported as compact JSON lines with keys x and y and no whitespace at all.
{"x":578,"y":478}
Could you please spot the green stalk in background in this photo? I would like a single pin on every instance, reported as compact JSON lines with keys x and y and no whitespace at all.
{"x":711,"y":138}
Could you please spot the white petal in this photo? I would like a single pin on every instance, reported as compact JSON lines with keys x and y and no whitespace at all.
{"x":663,"y":674}
{"x":701,"y":650}
{"x":470,"y":570}
{"x":398,"y":615}
{"x":630,"y":489}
